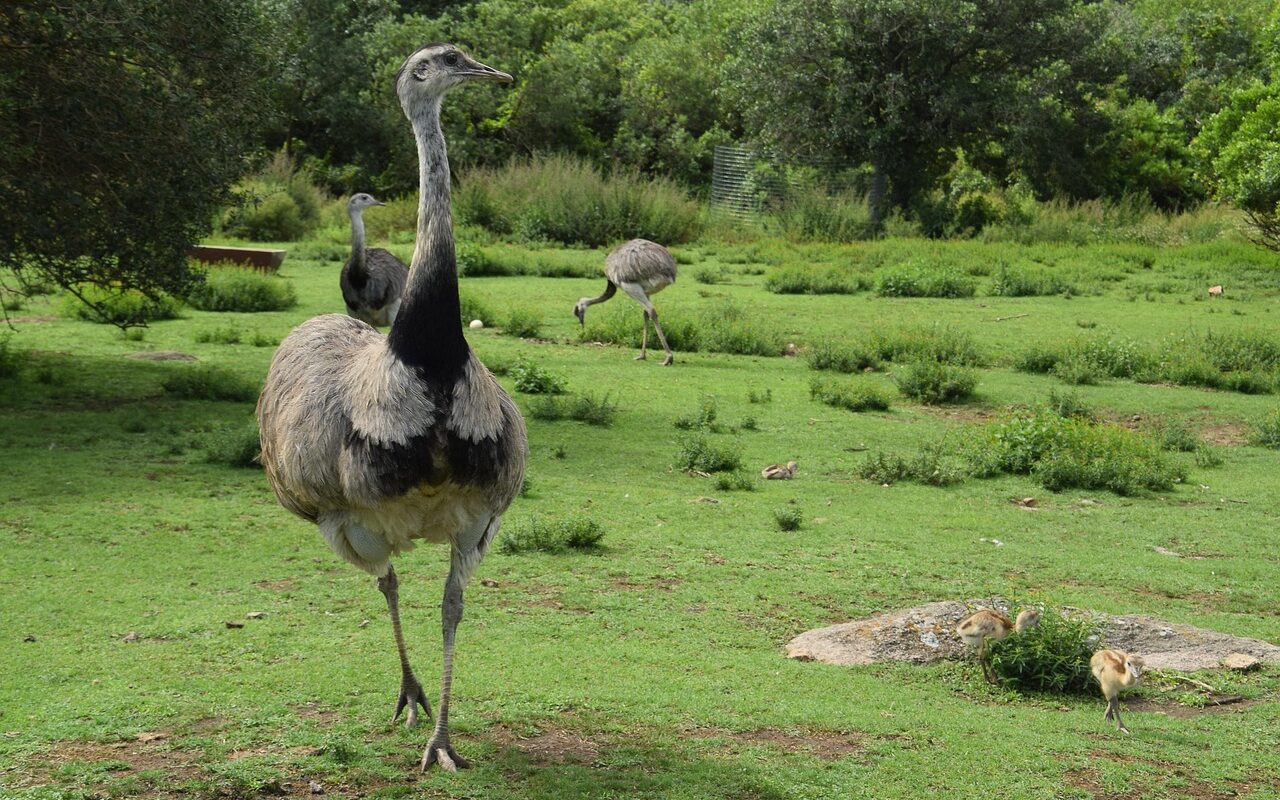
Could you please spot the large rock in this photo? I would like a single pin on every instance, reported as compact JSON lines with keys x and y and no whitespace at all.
{"x":927,"y":633}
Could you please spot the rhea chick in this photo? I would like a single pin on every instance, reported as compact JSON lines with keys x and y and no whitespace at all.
{"x":986,"y":624}
{"x":1116,"y":671}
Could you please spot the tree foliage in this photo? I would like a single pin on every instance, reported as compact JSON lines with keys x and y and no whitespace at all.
{"x":1240,"y":157}
{"x":122,"y":125}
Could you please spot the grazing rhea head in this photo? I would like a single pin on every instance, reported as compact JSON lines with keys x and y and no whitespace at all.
{"x":433,"y":69}
{"x":361,"y":201}
{"x":1027,"y":619}
{"x":580,"y":310}
{"x":1134,"y":665}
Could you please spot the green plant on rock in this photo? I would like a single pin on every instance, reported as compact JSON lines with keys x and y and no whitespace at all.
{"x":1050,"y":657}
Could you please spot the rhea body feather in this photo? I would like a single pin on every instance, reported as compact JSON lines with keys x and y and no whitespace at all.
{"x":641,"y":263}
{"x":988,"y":624}
{"x":372,"y":285}
{"x":1115,"y":671}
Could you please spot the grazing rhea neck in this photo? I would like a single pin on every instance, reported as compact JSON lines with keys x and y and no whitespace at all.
{"x":428,"y":330}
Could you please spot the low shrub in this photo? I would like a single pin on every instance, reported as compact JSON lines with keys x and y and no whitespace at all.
{"x":940,"y":343}
{"x":236,"y":446}
{"x":1050,"y":657}
{"x":849,"y":395}
{"x":698,"y":454}
{"x":788,"y":518}
{"x":736,"y":481}
{"x":551,"y":535}
{"x":205,"y":382}
{"x":1078,"y":371}
{"x":1069,"y":404}
{"x":883,"y":468}
{"x":841,"y":356}
{"x":226,"y":335}
{"x":533,"y":379}
{"x":918,"y":279}
{"x":722,"y":328}
{"x":279,"y":204}
{"x":1025,"y":281}
{"x":931,"y":466}
{"x":935,"y":383}
{"x":703,"y":419}
{"x":1038,"y":360}
{"x":1266,"y":432}
{"x":811,"y":279}
{"x":523,"y":323}
{"x":761,"y":396}
{"x":473,"y":307}
{"x":586,"y":408}
{"x":242,"y":289}
{"x":709,"y":275}
{"x":122,"y":307}
{"x":1173,"y":435}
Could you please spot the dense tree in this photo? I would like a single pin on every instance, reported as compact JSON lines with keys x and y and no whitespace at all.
{"x":1240,"y":157}
{"x":122,"y":124}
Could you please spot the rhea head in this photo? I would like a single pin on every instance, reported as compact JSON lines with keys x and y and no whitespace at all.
{"x":361,"y":201}
{"x":433,"y":69}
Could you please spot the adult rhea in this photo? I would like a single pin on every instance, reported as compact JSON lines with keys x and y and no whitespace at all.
{"x":385,"y":440}
{"x":373,"y":279}
{"x":641,"y":268}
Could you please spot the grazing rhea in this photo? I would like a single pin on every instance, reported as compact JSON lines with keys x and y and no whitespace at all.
{"x":980,"y":627}
{"x":1116,"y":671}
{"x":372,"y":280}
{"x":385,"y":440}
{"x":640,"y":268}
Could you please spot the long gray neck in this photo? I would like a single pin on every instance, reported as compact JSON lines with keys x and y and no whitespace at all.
{"x":609,"y":291}
{"x":357,"y":272}
{"x":428,"y":329}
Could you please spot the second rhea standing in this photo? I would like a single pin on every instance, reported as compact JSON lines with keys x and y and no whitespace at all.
{"x":640,"y":268}
{"x":985,"y":624}
{"x":373,"y":279}
{"x":1116,"y":671}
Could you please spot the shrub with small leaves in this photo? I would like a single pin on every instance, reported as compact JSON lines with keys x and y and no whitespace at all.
{"x":586,"y":408}
{"x":224,"y":335}
{"x":1173,"y":435}
{"x":1266,"y":432}
{"x":841,"y":357}
{"x":1078,"y":372}
{"x":119,"y":307}
{"x":533,"y":379}
{"x":915,"y":279}
{"x":1069,"y":404}
{"x":205,"y":382}
{"x":856,"y":395}
{"x":757,"y":397}
{"x":1050,"y":657}
{"x":698,"y":454}
{"x":736,"y":481}
{"x":473,"y":308}
{"x":788,"y":518}
{"x":883,"y":468}
{"x":524,"y":323}
{"x":704,"y":419}
{"x":242,"y":289}
{"x":1207,"y":457}
{"x":551,"y":535}
{"x":934,"y":383}
{"x":237,"y":446}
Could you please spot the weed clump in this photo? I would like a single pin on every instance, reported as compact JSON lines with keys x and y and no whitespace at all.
{"x":736,"y":481}
{"x":939,"y":343}
{"x":697,"y":454}
{"x":206,"y":382}
{"x":473,"y":308}
{"x":935,"y":383}
{"x":523,"y":323}
{"x":788,"y":518}
{"x":704,"y":419}
{"x":241,"y":289}
{"x":533,"y":379}
{"x":224,"y":335}
{"x":11,"y":360}
{"x":810,"y":279}
{"x":1050,"y":657}
{"x":917,"y":279}
{"x":931,"y":467}
{"x":842,"y":357}
{"x":552,"y":536}
{"x":850,"y":395}
{"x":1026,"y":281}
{"x":236,"y":447}
{"x":722,"y":328}
{"x":758,"y":397}
{"x":586,"y":408}
{"x":1266,"y":433}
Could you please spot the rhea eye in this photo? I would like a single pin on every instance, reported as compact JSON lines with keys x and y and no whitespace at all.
{"x":451,"y":59}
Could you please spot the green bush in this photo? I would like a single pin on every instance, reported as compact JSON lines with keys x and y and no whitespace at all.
{"x":917,"y":279}
{"x":934,"y":383}
{"x":237,"y":447}
{"x":1050,"y":657}
{"x":533,"y":379}
{"x":551,"y":535}
{"x":884,"y":468}
{"x":703,"y":419}
{"x":280,"y":204}
{"x":815,"y":215}
{"x":939,"y":343}
{"x":761,"y":396}
{"x":1069,"y":404}
{"x":206,"y":382}
{"x":697,"y":454}
{"x":931,"y":466}
{"x":242,"y":289}
{"x":1039,"y":360}
{"x":523,"y":323}
{"x":586,"y":408}
{"x":736,"y":481}
{"x":725,"y":327}
{"x":810,"y":279}
{"x":1078,"y":371}
{"x":1173,"y":435}
{"x":788,"y":518}
{"x":709,"y":275}
{"x":1266,"y":433}
{"x":1023,"y":281}
{"x":849,"y":395}
{"x":841,"y":356}
{"x":119,"y":307}
{"x":226,"y":335}
{"x":563,"y":199}
{"x":473,"y":308}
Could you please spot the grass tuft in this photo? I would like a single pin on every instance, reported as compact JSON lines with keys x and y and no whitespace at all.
{"x":241,"y":289}
{"x":533,"y":379}
{"x":205,"y":382}
{"x":856,"y":395}
{"x":551,"y":535}
{"x":698,"y":454}
{"x":935,"y":383}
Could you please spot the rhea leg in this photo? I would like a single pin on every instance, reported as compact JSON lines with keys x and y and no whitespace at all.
{"x":657,"y":328}
{"x":411,"y":694}
{"x":651,"y":314}
{"x":644,"y":336}
{"x":439,"y":749}
{"x":1114,"y":706}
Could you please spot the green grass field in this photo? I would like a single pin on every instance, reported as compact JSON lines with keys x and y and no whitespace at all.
{"x":651,"y":666}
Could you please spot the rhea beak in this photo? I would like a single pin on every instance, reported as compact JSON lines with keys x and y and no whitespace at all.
{"x":378,"y":203}
{"x":482,"y":72}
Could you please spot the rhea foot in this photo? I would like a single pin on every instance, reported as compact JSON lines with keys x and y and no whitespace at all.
{"x":411,"y":696}
{"x":640,"y":357}
{"x":666,"y":362}
{"x":440,"y":751}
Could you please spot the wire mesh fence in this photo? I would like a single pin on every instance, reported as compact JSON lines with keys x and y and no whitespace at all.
{"x":746,"y":182}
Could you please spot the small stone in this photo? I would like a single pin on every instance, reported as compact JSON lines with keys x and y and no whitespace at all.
{"x":150,"y":736}
{"x":930,"y":639}
{"x":29,"y":638}
{"x":791,"y":349}
{"x":1240,"y":662}
{"x":256,"y":614}
{"x":475,"y":325}
{"x":1165,"y":633}
{"x":489,"y":583}
{"x":233,"y":623}
{"x":131,"y":636}
{"x":363,"y":623}
{"x":317,"y":787}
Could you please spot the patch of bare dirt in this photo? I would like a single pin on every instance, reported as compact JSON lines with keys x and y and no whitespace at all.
{"x":959,"y":413}
{"x":927,"y":633}
{"x":1225,"y":434}
{"x":313,"y":712}
{"x":35,"y":319}
{"x":549,"y":746}
{"x":827,"y":745}
{"x":283,"y":585}
{"x":149,"y":752}
{"x":663,"y":582}
{"x":1216,"y":704}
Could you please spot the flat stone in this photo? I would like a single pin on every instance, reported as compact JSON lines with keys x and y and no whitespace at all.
{"x":1240,"y":662}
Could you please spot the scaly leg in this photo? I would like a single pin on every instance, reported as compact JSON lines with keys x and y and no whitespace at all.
{"x":411,"y":694}
{"x":439,"y":750}
{"x":1115,"y":712}
{"x":644,"y":336}
{"x":662,"y":337}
